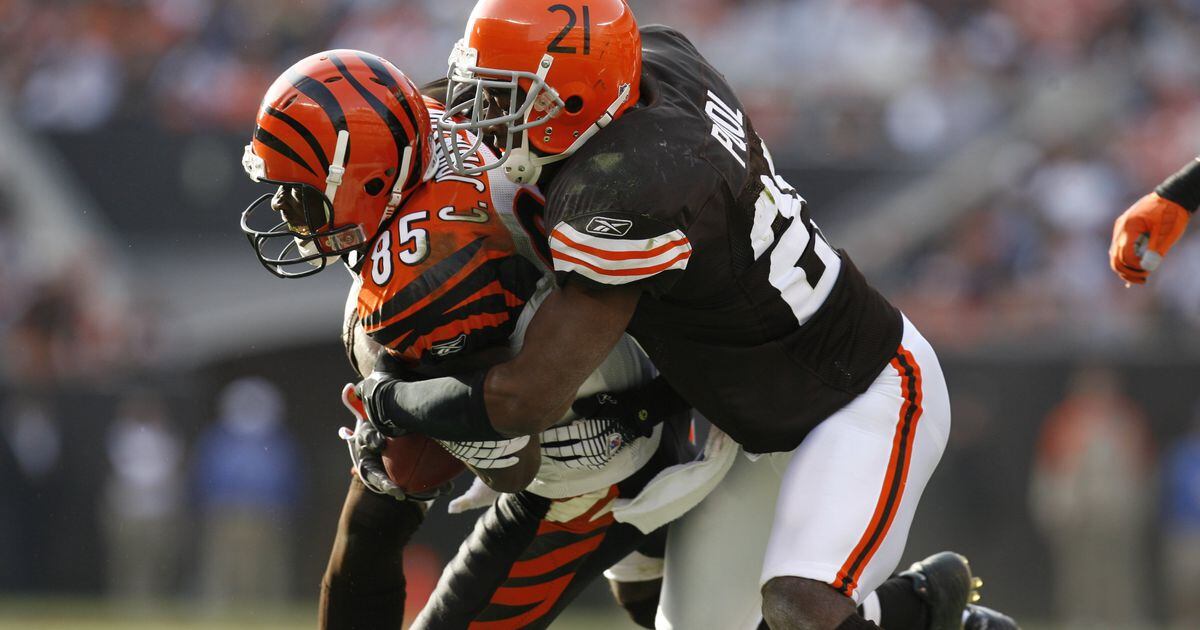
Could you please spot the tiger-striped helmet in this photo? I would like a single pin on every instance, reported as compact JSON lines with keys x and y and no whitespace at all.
{"x":346,"y":137}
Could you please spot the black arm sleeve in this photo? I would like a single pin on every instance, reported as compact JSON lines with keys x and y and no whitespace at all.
{"x":1183,"y":187}
{"x":449,"y":408}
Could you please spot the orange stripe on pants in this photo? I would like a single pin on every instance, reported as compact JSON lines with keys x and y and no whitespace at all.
{"x":893,"y":481}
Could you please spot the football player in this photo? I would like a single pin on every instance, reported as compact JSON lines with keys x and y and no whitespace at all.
{"x":442,"y":285}
{"x":399,"y":299}
{"x":1144,"y":233}
{"x":667,"y":220}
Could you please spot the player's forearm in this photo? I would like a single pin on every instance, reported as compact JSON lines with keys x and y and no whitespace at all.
{"x":523,"y":404}
{"x":449,"y":408}
{"x":1183,"y":187}
{"x":572,"y":333}
{"x":453,"y":408}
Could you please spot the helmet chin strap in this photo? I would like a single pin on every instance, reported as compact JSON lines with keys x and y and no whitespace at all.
{"x":338,"y":167}
{"x":523,"y":166}
{"x":397,"y":190}
{"x":308,"y":246}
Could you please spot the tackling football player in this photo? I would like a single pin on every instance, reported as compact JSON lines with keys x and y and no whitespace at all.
{"x":667,"y":219}
{"x":442,"y":286}
{"x":1144,"y":233}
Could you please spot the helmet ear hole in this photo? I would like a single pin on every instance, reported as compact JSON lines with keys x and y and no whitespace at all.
{"x":374,"y":186}
{"x":574,"y":104}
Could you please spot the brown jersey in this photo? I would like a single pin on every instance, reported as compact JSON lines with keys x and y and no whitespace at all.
{"x":747,"y":310}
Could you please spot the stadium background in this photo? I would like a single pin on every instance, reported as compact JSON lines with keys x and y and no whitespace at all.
{"x":970,"y":154}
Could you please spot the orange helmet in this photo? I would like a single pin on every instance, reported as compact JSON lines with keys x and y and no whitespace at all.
{"x":346,"y":136}
{"x":558,"y":70}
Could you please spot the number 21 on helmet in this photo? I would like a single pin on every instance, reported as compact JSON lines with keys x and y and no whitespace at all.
{"x":345,"y":136}
{"x":557,"y":72}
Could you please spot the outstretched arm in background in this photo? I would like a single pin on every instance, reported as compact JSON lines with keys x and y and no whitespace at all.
{"x":1144,"y":233}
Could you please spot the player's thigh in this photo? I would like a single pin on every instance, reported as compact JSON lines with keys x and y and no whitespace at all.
{"x":714,"y":553}
{"x":850,"y":492}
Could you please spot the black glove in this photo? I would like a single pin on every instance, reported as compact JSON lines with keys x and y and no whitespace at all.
{"x":636,"y":410}
{"x":366,"y":446}
{"x":448,"y":408}
{"x":366,"y":449}
{"x":370,"y":391}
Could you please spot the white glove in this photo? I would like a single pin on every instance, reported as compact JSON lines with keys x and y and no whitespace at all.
{"x":479,"y":495}
{"x":489,"y":455}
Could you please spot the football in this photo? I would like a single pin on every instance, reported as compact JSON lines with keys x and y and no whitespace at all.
{"x":418,"y":464}
{"x":414,"y":462}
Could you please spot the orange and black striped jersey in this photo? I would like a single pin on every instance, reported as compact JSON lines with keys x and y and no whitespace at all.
{"x":448,"y":277}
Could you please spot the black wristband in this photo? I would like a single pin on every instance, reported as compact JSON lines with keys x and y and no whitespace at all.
{"x":450,"y":408}
{"x":1183,"y":187}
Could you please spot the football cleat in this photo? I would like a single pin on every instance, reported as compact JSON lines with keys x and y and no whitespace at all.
{"x":981,"y":618}
{"x":944,"y":582}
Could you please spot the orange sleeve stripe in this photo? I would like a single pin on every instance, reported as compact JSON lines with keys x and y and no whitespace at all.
{"x":637,"y":271}
{"x":617,"y":255}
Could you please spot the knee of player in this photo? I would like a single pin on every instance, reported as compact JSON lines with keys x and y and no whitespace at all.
{"x":639,"y":599}
{"x":792,"y":602}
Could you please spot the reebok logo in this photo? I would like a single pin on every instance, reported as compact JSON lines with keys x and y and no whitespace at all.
{"x":447,"y":348}
{"x":604,"y":226}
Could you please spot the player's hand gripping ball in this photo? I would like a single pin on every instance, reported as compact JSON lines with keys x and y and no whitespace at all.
{"x":415,"y":465}
{"x":1143,"y":235}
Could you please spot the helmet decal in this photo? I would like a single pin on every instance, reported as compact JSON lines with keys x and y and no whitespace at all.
{"x":301,"y":131}
{"x":281,"y":147}
{"x":321,"y":95}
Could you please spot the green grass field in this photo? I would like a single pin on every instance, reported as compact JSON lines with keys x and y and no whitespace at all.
{"x":93,"y":614}
{"x":75,"y":614}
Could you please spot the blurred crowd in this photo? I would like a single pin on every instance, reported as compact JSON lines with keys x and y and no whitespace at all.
{"x":872,"y":84}
{"x":877,"y":87}
{"x":73,"y":321}
{"x":119,"y":481}
{"x":841,"y":80}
